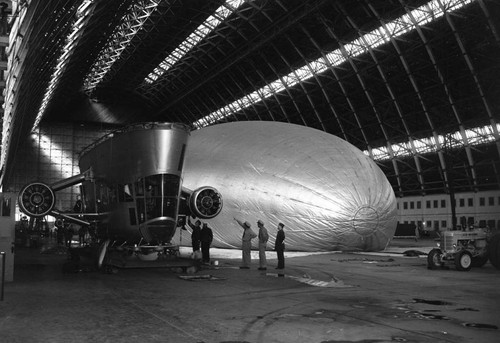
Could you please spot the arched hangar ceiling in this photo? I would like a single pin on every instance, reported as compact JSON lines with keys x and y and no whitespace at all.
{"x":413,"y":83}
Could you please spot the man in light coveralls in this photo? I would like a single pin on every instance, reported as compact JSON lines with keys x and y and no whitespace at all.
{"x":263,"y":238}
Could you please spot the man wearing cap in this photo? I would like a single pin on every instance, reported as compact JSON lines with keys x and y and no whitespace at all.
{"x":279,"y":246}
{"x":206,"y":237}
{"x":263,"y":237}
{"x":246,"y":244}
{"x":195,"y":234}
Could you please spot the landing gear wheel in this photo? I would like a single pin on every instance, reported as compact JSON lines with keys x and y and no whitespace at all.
{"x":463,"y":261}
{"x":434,"y":259}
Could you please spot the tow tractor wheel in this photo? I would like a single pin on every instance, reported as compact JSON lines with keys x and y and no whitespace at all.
{"x":434,"y":259}
{"x":463,"y":261}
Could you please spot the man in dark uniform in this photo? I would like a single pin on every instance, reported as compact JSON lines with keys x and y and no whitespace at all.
{"x":206,"y":238}
{"x":279,"y":246}
{"x":195,"y":234}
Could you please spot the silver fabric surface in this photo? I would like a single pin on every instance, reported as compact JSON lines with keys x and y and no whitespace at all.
{"x":329,"y":195}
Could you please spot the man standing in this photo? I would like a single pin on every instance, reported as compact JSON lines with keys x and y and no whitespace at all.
{"x":206,"y":237}
{"x":246,"y":244}
{"x":263,"y":237}
{"x":279,"y":246}
{"x":195,"y":234}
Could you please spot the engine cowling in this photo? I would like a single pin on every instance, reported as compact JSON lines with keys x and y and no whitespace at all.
{"x":205,"y":202}
{"x":36,"y":199}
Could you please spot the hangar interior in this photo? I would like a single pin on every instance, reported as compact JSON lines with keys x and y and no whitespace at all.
{"x":412,"y":83}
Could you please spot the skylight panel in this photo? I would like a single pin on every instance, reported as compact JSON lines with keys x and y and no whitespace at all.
{"x":382,"y":35}
{"x":82,"y":13}
{"x":475,"y":136}
{"x":194,"y":38}
{"x":132,"y":23}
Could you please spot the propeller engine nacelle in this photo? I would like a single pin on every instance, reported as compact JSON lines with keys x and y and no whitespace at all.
{"x":205,"y":202}
{"x":37,"y":199}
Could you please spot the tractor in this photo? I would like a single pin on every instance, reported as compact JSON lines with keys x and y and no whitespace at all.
{"x":466,"y":249}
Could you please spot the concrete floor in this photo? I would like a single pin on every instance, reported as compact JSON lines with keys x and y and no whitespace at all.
{"x":328,"y":297}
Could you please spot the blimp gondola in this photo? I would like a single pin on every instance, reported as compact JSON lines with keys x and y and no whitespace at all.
{"x":131,"y":193}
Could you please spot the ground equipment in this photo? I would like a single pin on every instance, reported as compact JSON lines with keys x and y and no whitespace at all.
{"x":466,"y":249}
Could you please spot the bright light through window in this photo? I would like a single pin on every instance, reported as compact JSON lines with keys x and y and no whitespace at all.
{"x":194,"y":38}
{"x":59,"y":158}
{"x":476,"y":136}
{"x":131,"y":24}
{"x":76,"y":30}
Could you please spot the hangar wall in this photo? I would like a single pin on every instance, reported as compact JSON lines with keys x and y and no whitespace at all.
{"x":433,"y":212}
{"x":51,"y":155}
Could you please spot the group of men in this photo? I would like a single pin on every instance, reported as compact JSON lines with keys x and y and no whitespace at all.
{"x":246,"y":244}
{"x":203,"y":236}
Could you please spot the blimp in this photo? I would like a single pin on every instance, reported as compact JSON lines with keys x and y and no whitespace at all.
{"x":139,"y":183}
{"x":327,"y":192}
